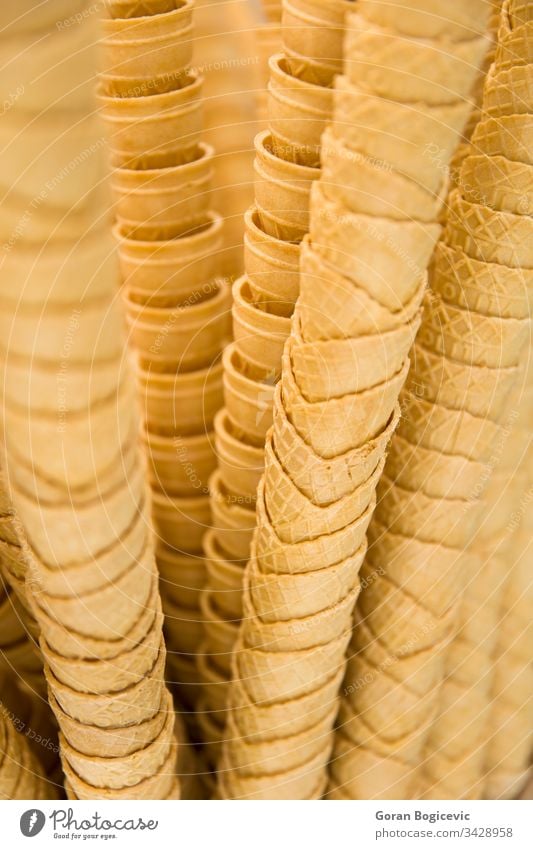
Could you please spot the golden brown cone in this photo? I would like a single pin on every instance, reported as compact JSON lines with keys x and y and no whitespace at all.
{"x":351,"y":244}
{"x":419,"y":508}
{"x":21,"y":774}
{"x":287,"y":161}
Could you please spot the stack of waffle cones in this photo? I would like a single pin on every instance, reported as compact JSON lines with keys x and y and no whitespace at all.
{"x":171,"y":251}
{"x":459,"y":747}
{"x":362,"y":274}
{"x":73,"y":468}
{"x":286,"y":165}
{"x":224,"y":55}
{"x":465,"y":364}
{"x":268,"y":43}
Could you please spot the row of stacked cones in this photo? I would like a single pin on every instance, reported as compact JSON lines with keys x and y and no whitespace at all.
{"x":171,"y":250}
{"x":287,"y":163}
{"x":432,"y":497}
{"x":373,"y":228}
{"x":88,"y":570}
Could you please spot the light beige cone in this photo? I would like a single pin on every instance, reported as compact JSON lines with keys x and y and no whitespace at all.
{"x":162,"y":197}
{"x":356,"y":773}
{"x":436,"y":427}
{"x":396,"y":132}
{"x":248,"y":395}
{"x":309,"y":555}
{"x":259,"y":332}
{"x":95,"y":614}
{"x":282,"y":187}
{"x":144,"y":55}
{"x":341,"y":309}
{"x":180,"y":465}
{"x":302,"y":782}
{"x":278,"y":227}
{"x":449,"y":521}
{"x":224,"y":579}
{"x":116,"y":742}
{"x":157,"y":130}
{"x":90,"y":575}
{"x":482,"y":287}
{"x":283,"y":719}
{"x":506,"y":135}
{"x":308,"y":70}
{"x":439,"y":475}
{"x":48,"y":268}
{"x":508,"y":92}
{"x":315,"y":32}
{"x":80,"y":385}
{"x":168,"y":271}
{"x":163,"y":398}
{"x":271,"y":264}
{"x":132,"y":705}
{"x":72,"y":644}
{"x":431,"y":19}
{"x":271,"y":674}
{"x":187,"y":336}
{"x":300,"y":595}
{"x":56,"y":454}
{"x":181,"y":521}
{"x":349,"y":242}
{"x":370,"y":186}
{"x":233,"y":520}
{"x":341,"y":424}
{"x":37,"y":148}
{"x":298,"y":112}
{"x":503,"y":184}
{"x":241,"y":465}
{"x":323,"y":481}
{"x":480,"y":390}
{"x":48,"y":520}
{"x":118,"y":772}
{"x":157,"y":786}
{"x":470,"y":337}
{"x":103,"y":676}
{"x":298,"y":634}
{"x":487,"y":235}
{"x":346,"y":366}
{"x":296,"y":518}
{"x":181,"y":576}
{"x":275,"y":756}
{"x":391,"y":65}
{"x":55,"y":57}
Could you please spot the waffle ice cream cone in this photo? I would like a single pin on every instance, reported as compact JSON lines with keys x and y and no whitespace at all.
{"x":297,"y":112}
{"x":502,"y":291}
{"x":470,"y":337}
{"x":341,"y":309}
{"x":503,"y":183}
{"x":430,"y":20}
{"x":166,"y":271}
{"x":395,"y":132}
{"x":393,"y":65}
{"x":148,"y":53}
{"x":488,"y":235}
{"x":162,"y":197}
{"x":368,"y":185}
{"x":271,"y":264}
{"x":348,"y":242}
